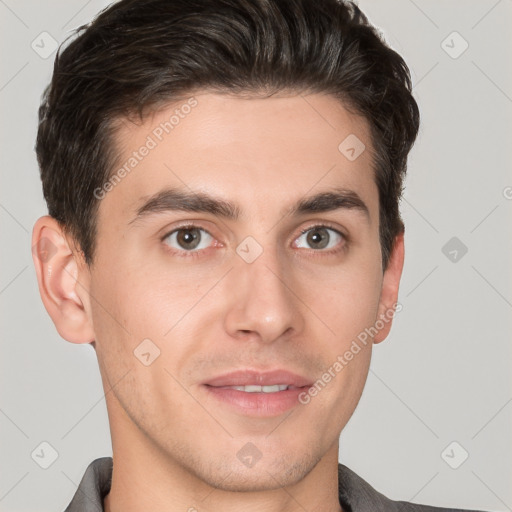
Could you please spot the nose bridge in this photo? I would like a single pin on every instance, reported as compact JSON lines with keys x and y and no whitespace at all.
{"x":262,"y":299}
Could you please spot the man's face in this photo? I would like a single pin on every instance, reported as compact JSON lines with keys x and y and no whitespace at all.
{"x":227,"y":294}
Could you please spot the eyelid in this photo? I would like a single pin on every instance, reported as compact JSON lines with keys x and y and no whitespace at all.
{"x":186,"y":224}
{"x":324,"y":224}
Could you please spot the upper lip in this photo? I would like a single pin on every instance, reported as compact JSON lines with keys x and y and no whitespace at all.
{"x":250,"y":377}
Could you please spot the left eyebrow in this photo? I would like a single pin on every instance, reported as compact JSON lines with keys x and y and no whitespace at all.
{"x":329,"y":201}
{"x":176,"y":199}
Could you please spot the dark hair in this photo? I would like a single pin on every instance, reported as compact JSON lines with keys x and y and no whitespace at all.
{"x":139,"y":55}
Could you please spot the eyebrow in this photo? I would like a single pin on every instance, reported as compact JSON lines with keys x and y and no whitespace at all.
{"x":175,"y":199}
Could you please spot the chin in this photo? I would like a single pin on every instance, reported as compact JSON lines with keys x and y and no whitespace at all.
{"x":265,"y":475}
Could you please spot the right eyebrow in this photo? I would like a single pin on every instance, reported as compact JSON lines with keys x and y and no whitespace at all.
{"x":180,"y":200}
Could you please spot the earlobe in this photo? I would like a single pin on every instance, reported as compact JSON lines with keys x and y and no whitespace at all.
{"x":57,"y":269}
{"x":390,"y":286}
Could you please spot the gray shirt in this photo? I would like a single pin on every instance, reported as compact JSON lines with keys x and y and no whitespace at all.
{"x":355,"y":494}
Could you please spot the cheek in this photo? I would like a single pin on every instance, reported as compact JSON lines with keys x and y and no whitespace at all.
{"x":134,"y":300}
{"x":139,"y":312}
{"x":351,"y":303}
{"x":348,"y":300}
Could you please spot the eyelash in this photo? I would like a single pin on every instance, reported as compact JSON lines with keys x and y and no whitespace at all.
{"x":198,"y":253}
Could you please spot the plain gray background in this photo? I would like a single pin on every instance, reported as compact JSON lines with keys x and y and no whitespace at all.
{"x":443,"y":375}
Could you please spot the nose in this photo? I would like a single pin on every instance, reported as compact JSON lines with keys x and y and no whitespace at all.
{"x":264,"y":306}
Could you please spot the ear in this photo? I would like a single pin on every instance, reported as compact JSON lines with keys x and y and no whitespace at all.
{"x":390,"y":284}
{"x":64,"y":293}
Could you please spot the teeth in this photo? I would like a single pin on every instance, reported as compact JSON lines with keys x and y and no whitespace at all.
{"x":261,"y":389}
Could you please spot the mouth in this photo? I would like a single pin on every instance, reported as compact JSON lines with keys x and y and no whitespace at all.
{"x":258,"y":394}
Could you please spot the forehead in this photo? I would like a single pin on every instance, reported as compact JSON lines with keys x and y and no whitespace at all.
{"x":260,"y":151}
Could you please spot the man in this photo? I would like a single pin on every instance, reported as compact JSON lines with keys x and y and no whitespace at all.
{"x":222,"y":179}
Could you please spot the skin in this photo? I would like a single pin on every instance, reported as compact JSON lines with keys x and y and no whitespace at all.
{"x":295,"y":307}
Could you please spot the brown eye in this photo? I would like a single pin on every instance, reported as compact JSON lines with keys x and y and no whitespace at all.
{"x":188,"y":238}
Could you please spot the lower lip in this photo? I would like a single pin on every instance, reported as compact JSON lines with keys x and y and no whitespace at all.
{"x":258,"y":404}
